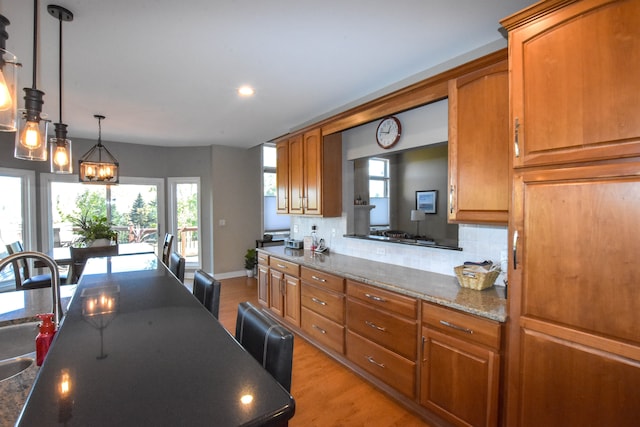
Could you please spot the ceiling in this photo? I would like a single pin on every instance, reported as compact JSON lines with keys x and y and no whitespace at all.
{"x":166,"y":73}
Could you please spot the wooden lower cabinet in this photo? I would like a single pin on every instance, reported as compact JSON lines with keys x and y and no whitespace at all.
{"x":323,"y":306}
{"x":393,"y":369}
{"x":263,"y":285}
{"x":284,"y":290}
{"x":381,"y":335}
{"x":460,"y":366}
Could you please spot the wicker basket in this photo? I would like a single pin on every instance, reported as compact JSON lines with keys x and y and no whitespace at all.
{"x":475,"y":278}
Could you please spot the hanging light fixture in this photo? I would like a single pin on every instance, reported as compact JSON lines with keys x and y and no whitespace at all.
{"x":31,"y":138}
{"x":8,"y":82}
{"x":60,"y":146}
{"x":98,"y":166}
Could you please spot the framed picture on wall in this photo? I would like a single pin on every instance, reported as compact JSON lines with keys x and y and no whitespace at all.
{"x":426,"y":201}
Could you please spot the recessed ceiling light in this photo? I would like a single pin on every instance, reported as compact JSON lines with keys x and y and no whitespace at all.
{"x":246,"y":91}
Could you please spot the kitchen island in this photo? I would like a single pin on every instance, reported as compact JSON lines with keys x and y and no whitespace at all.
{"x":136,"y":348}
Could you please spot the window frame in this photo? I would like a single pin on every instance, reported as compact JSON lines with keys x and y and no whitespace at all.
{"x":28,"y":199}
{"x":173,"y":213}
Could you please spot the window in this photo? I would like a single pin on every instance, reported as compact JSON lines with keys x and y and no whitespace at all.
{"x":184,"y":219}
{"x":16,"y":207}
{"x":273,"y":223}
{"x":132,"y":207}
{"x":379,"y":192}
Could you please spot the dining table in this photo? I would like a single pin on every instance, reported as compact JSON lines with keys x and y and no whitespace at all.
{"x":135,"y":347}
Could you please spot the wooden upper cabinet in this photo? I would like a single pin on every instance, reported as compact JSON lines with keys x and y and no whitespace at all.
{"x":282,"y":177}
{"x":296,"y":175}
{"x":309,"y":174}
{"x":479,"y":169}
{"x":578,"y":99}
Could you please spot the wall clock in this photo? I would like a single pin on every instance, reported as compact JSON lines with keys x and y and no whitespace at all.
{"x":388,"y":132}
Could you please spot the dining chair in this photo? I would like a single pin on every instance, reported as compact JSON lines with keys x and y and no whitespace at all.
{"x":166,"y":248}
{"x":24,"y":278}
{"x":79,"y":257}
{"x":206,"y":289}
{"x":270,"y":343}
{"x":176,"y":265}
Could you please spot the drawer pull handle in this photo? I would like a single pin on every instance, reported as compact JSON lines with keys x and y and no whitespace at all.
{"x":281,"y":266}
{"x":374,"y":326}
{"x":456,"y":327}
{"x":375,"y":298}
{"x":322,"y":331}
{"x":317,"y":301}
{"x":372,"y":360}
{"x":319,"y":279}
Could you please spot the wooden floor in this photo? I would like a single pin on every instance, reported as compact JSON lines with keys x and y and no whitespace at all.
{"x":326,"y":393}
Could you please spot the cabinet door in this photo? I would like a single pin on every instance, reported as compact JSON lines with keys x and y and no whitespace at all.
{"x":575,"y":85}
{"x":459,"y":380}
{"x":276,"y":292}
{"x":296,"y":175}
{"x":263,"y":285}
{"x":282,"y":177}
{"x":574,"y":294}
{"x":292,"y":299}
{"x":479,"y":169}
{"x":313,"y":172}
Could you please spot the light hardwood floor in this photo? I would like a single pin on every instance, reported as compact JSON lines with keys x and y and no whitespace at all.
{"x":326,"y":393}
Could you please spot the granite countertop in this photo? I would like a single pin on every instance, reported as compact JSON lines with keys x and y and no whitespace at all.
{"x":433,"y":287}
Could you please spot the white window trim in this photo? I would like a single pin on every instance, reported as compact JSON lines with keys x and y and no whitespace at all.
{"x":45,"y":202}
{"x":28,"y":195}
{"x":173,"y":214}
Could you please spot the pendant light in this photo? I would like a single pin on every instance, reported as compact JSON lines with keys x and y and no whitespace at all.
{"x":31,"y":138}
{"x":8,"y":82}
{"x":98,"y":166}
{"x":60,"y":146}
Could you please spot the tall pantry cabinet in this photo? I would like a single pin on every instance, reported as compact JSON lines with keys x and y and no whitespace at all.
{"x":574,"y":278}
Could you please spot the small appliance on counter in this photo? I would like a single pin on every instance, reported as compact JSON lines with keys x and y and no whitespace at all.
{"x":293,"y":243}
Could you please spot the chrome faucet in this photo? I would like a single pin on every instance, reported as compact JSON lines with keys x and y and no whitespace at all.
{"x":55,"y":278}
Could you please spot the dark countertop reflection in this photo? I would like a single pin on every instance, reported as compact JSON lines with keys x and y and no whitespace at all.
{"x":136,"y":348}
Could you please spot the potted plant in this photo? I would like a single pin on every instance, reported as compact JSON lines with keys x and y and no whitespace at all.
{"x":93,"y":230}
{"x":250,"y":260}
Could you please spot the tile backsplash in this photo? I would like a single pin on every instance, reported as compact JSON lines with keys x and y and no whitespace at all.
{"x":478,"y":243}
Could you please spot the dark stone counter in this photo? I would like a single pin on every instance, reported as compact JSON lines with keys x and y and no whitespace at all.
{"x":136,"y":348}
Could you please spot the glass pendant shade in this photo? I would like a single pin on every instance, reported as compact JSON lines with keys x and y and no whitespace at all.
{"x":31,"y":139}
{"x":60,"y":154}
{"x":8,"y":82}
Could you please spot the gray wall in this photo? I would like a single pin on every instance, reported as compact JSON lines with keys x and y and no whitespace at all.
{"x":230,"y":180}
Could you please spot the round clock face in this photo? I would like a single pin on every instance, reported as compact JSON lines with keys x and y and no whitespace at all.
{"x":388,"y":132}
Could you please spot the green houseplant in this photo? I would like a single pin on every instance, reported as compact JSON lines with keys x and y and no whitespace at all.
{"x":250,"y":261}
{"x":92,"y":230}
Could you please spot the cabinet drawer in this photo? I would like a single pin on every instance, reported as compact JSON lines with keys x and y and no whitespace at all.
{"x":319,"y":278}
{"x":464,"y":326}
{"x":323,"y":330}
{"x":394,"y":370}
{"x":388,"y":300}
{"x":393,"y":332}
{"x":285,"y":266}
{"x":263,"y":259}
{"x":328,"y":304}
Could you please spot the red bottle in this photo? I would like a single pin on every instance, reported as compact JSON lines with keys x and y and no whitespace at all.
{"x":44,"y":338}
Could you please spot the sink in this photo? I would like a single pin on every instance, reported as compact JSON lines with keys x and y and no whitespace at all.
{"x":12,"y":367}
{"x":18,"y":340}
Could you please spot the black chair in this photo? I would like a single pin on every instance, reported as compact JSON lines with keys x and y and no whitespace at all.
{"x":166,"y":248}
{"x":79,"y":257}
{"x":206,"y":289}
{"x":267,"y":341}
{"x":24,"y":279}
{"x":176,"y":265}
